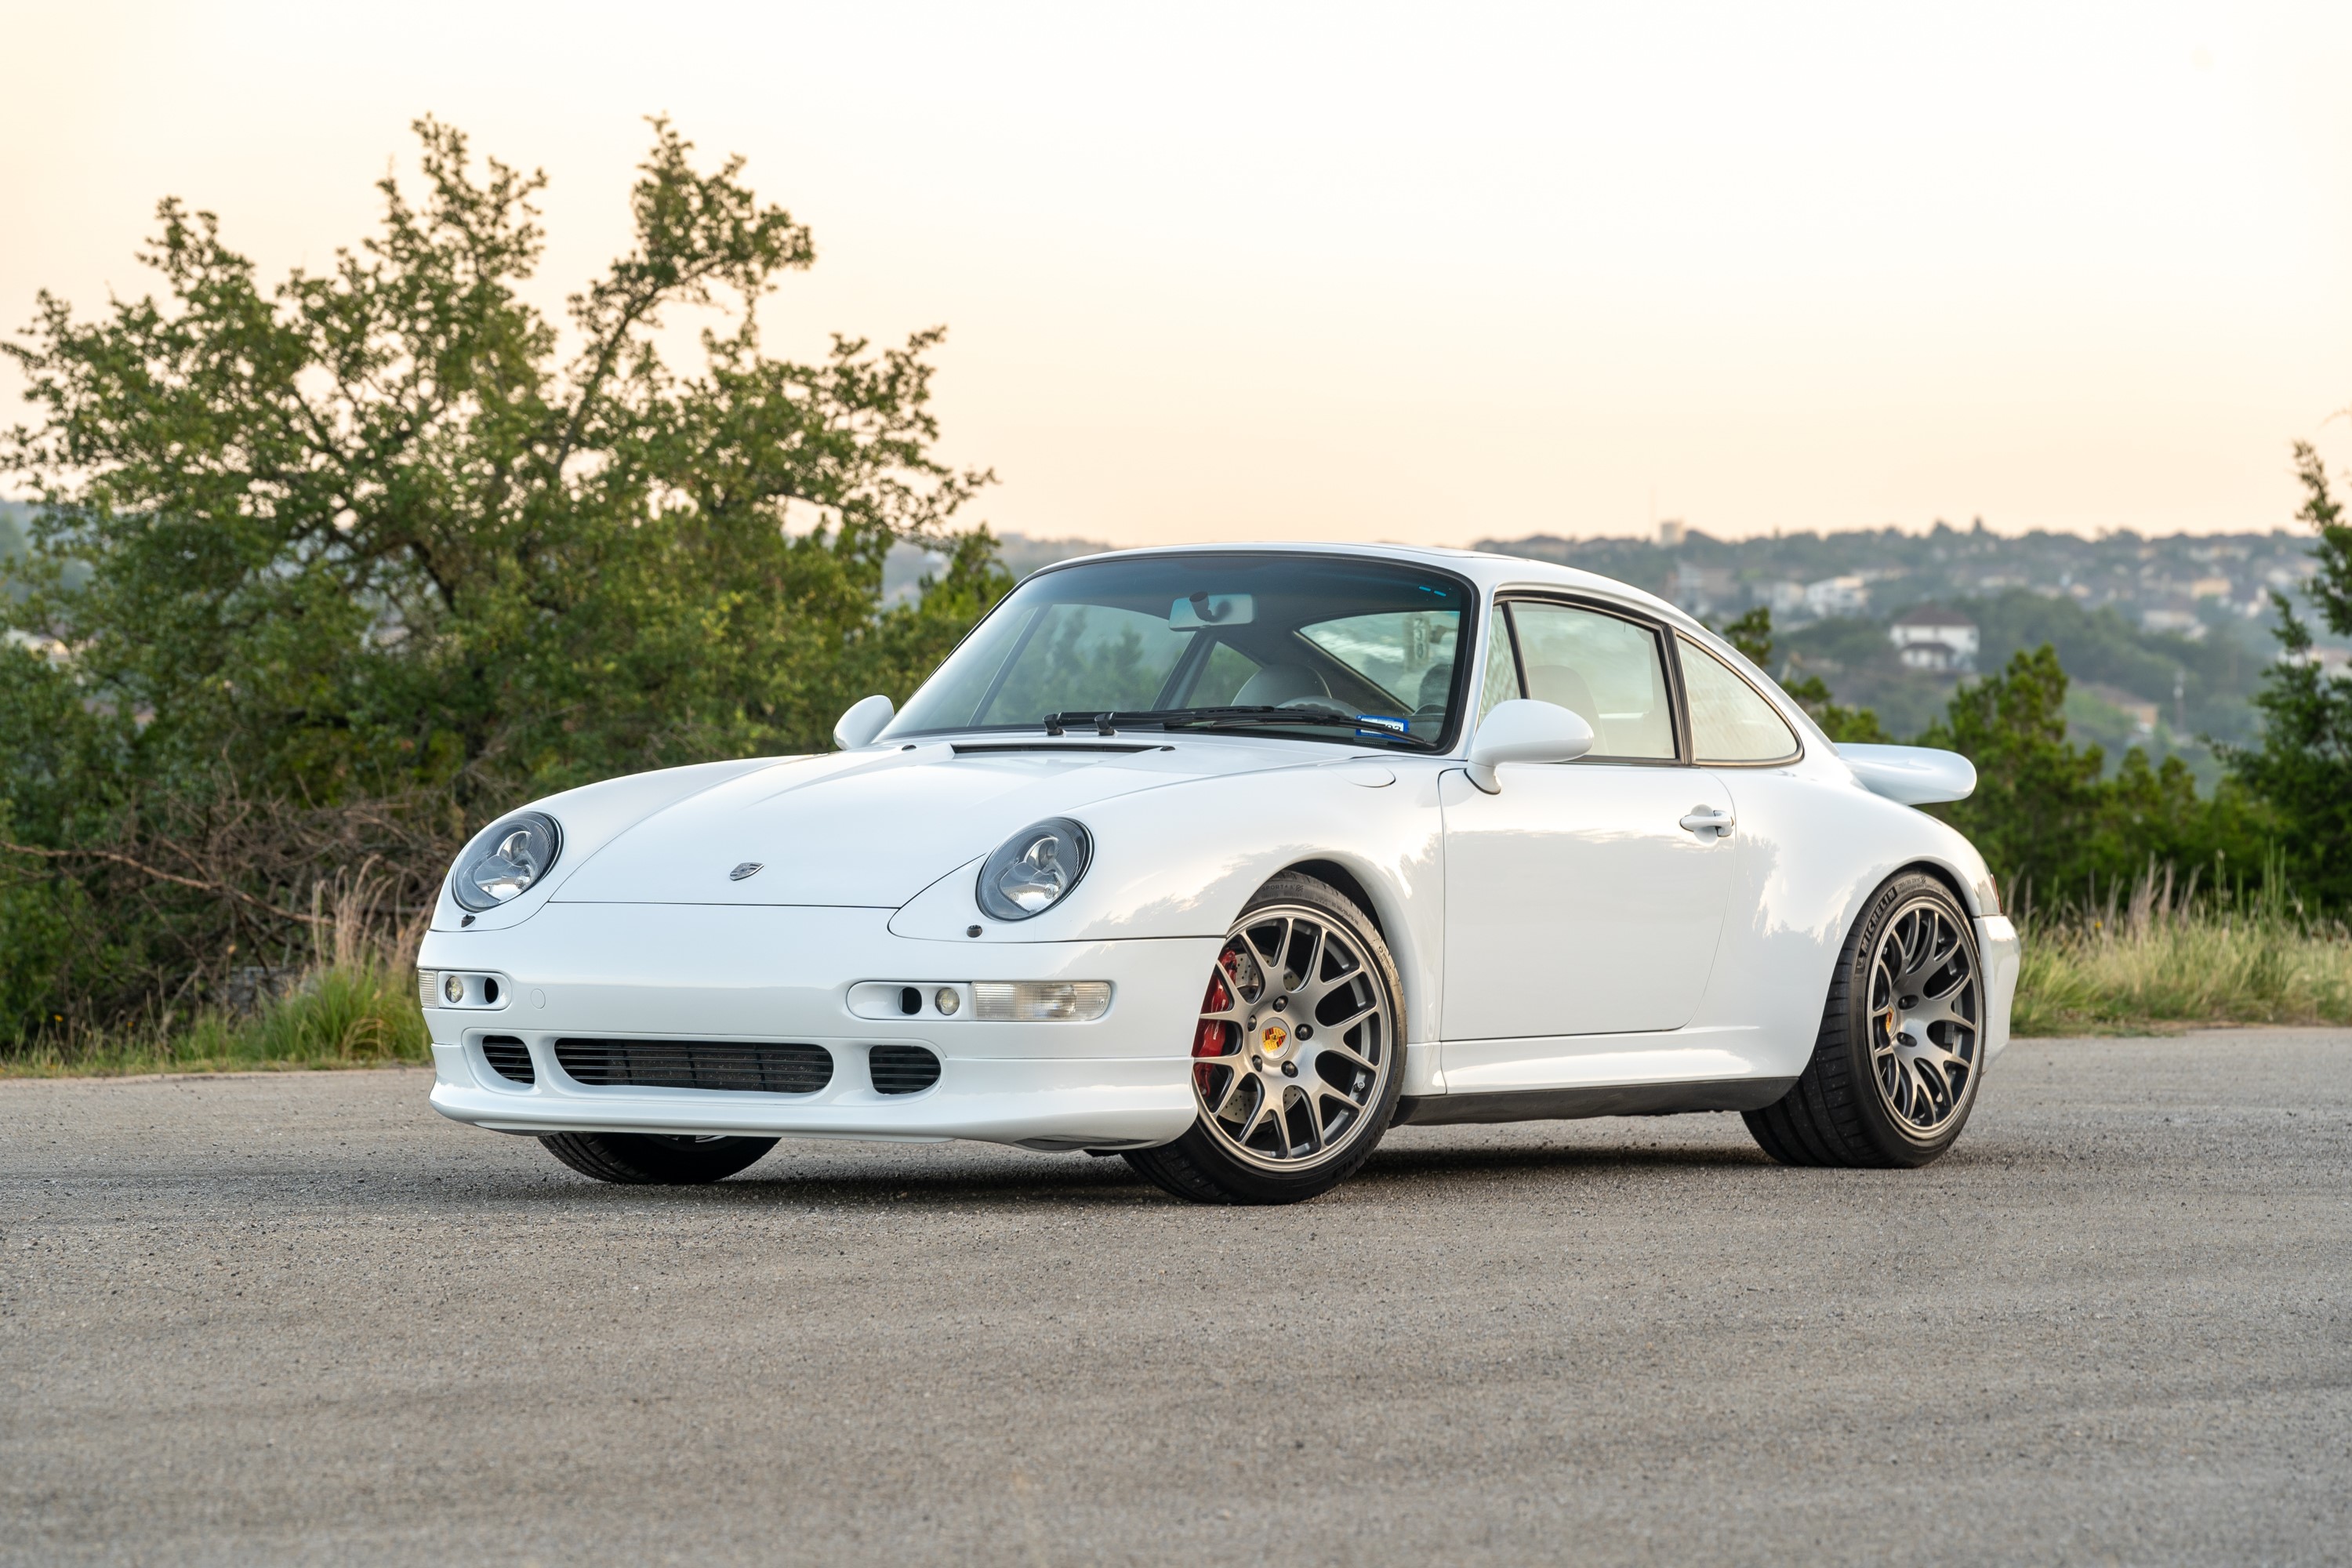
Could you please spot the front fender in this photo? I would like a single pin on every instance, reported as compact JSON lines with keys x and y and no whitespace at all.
{"x":1181,"y":862}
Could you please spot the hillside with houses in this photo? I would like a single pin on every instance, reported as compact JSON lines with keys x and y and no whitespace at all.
{"x":2166,"y":638}
{"x":2181,"y":583}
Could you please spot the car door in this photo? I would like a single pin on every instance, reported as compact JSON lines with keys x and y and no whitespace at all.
{"x":1588,"y":896}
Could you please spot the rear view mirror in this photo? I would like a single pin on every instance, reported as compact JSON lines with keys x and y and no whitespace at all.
{"x":1212,"y":610}
{"x":862,"y":723}
{"x":1526,"y":730}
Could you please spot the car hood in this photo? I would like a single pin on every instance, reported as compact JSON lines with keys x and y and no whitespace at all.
{"x":874,"y":829}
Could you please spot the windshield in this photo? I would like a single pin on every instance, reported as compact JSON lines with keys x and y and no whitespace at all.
{"x":1318,"y":647}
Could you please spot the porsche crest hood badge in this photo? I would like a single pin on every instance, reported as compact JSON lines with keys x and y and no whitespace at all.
{"x":748,"y":868}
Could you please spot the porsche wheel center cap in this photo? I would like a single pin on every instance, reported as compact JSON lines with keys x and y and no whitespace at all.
{"x":1275,"y":1041}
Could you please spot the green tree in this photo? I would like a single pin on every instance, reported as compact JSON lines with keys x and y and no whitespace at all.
{"x":2038,"y":799}
{"x":2042,"y":814}
{"x":1751,"y":634}
{"x":2151,"y":813}
{"x":385,"y":533}
{"x":2303,"y":766}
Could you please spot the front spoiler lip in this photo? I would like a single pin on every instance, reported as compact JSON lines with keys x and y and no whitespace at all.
{"x":1127,"y":1101}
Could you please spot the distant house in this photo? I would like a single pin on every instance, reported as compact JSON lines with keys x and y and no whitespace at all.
{"x":2176,"y":618}
{"x":2330,"y":660}
{"x":1699,"y":589}
{"x":1837,"y":597}
{"x":1930,"y":637}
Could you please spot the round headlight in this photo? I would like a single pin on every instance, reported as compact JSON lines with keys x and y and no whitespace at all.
{"x":507,"y":861}
{"x":1034,"y":870}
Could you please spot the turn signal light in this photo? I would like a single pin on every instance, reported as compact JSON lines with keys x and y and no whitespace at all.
{"x":460,"y":988}
{"x":1040,"y":1001}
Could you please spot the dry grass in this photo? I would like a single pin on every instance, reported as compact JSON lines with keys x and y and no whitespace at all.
{"x":2165,"y":959}
{"x":338,"y":1017}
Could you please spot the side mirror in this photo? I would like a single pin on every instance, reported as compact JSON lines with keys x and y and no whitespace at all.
{"x":862,"y":723}
{"x":1526,"y":730}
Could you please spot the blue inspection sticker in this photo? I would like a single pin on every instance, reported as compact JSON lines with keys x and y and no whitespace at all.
{"x":1383,"y":725}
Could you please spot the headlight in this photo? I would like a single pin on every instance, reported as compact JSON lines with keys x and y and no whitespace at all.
{"x":507,"y":861}
{"x":1034,"y":870}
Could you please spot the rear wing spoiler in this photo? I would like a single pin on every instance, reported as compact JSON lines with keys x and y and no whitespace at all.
{"x":1914,"y":775}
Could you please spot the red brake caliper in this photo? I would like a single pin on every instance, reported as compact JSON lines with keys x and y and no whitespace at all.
{"x":1211,"y":1037}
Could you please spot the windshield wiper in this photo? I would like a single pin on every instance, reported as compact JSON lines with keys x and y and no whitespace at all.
{"x":1367,"y":725}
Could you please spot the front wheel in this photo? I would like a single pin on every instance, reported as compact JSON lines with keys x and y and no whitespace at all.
{"x":1299,"y":1054}
{"x":654,"y":1159}
{"x":1895,"y":1066}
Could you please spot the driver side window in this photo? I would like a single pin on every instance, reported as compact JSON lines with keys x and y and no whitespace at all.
{"x":1609,"y":672}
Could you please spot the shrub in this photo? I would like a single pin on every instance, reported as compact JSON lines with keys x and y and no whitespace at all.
{"x":326,"y":575}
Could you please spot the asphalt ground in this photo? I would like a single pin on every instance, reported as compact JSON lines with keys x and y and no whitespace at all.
{"x":299,"y":1318}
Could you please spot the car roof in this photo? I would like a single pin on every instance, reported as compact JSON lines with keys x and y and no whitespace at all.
{"x":1490,"y":570}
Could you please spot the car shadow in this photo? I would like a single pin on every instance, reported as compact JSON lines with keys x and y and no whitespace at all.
{"x":1418,"y":1163}
{"x":1111,"y":1184}
{"x":1084,"y":1183}
{"x":1100,"y":1185}
{"x":1095,"y":1182}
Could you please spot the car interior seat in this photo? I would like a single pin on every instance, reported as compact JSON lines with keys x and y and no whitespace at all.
{"x":1436,"y":681}
{"x":1279,"y":683}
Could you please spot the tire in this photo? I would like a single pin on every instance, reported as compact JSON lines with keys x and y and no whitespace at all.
{"x":1299,"y":1054}
{"x":1895,"y":1066}
{"x":650,"y":1159}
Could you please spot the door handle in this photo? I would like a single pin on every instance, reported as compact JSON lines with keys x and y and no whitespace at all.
{"x":1705,"y":819}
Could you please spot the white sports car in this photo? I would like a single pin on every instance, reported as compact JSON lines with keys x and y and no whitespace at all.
{"x":1227,"y":859}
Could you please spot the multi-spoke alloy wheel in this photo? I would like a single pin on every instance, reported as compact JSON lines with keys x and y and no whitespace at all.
{"x":1295,"y":1038}
{"x":1923,"y":1016}
{"x":1895,"y":1066}
{"x":1295,"y":1053}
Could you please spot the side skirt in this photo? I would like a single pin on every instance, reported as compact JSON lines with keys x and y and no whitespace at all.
{"x":1611,"y":1100}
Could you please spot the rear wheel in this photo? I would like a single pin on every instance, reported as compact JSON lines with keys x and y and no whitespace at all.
{"x":1299,"y":1054}
{"x":653,"y":1159}
{"x":1894,"y":1068}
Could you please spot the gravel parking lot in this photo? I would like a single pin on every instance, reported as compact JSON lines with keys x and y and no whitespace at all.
{"x":299,"y":1318}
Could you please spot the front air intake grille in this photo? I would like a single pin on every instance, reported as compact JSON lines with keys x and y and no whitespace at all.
{"x":508,"y":1057}
{"x":902,"y":1069}
{"x":696,"y":1064}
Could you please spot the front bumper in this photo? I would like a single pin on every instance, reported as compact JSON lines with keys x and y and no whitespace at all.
{"x":770,"y":974}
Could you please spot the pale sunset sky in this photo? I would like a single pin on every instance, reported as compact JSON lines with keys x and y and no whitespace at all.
{"x":1428,"y":273}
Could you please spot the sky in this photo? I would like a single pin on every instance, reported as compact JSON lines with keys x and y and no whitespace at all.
{"x":1427,"y":273}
